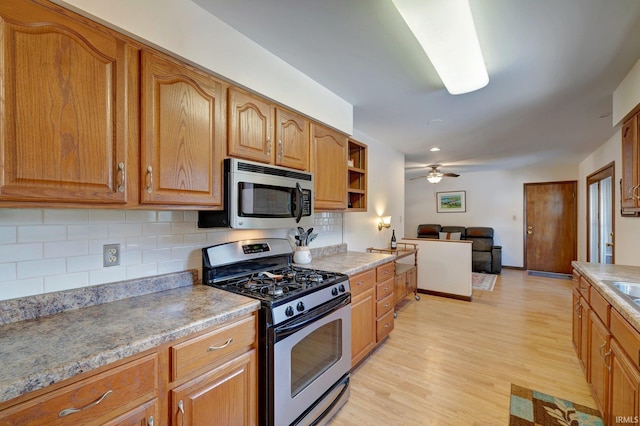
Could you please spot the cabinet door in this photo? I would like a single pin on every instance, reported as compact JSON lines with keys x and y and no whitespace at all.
{"x":576,"y":329}
{"x":630,"y":161}
{"x":401,"y":287}
{"x":625,"y":387}
{"x":363,"y":325}
{"x":68,"y":110}
{"x":329,"y":167}
{"x":585,"y":311}
{"x":183,"y":131}
{"x":292,"y":135}
{"x":250,"y":127}
{"x":599,"y":357}
{"x":227,"y":395}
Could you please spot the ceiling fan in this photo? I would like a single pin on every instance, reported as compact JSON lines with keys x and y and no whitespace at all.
{"x":435,"y":175}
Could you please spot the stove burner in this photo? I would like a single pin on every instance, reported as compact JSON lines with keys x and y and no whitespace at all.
{"x":275,"y":290}
{"x":316,"y":278}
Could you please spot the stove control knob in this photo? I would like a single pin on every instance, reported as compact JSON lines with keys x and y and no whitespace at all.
{"x":300,"y":307}
{"x":289,"y":311}
{"x":334,"y":291}
{"x":342,"y":289}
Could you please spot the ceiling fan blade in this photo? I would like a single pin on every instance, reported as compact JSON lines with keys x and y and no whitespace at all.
{"x":419,"y":177}
{"x":450,"y":174}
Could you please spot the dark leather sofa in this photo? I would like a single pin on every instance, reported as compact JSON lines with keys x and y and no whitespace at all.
{"x":485,"y":257}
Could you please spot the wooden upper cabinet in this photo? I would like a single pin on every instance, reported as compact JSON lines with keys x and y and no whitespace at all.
{"x":630,"y":160}
{"x":68,"y":108}
{"x":329,"y":168}
{"x":183,"y":131}
{"x":250,"y":127}
{"x":259,"y":131}
{"x":292,"y":135}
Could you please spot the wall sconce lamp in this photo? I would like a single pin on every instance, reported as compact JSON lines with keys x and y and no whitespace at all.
{"x":385,"y":222}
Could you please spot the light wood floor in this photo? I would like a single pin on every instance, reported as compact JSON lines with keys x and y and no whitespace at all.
{"x":452,"y":362}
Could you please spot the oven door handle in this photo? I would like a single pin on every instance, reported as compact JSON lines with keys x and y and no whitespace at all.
{"x":290,"y":328}
{"x":299,"y":202}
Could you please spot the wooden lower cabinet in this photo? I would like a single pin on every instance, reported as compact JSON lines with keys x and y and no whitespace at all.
{"x":123,"y":392}
{"x":625,"y":388}
{"x":207,"y":379}
{"x":598,"y":368}
{"x":363,"y":315}
{"x":226,"y":395}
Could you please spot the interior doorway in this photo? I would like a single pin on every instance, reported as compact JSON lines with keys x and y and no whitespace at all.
{"x":551,"y":233}
{"x":600,"y":214}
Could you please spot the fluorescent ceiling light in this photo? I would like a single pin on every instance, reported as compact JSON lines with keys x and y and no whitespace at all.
{"x":445,"y":30}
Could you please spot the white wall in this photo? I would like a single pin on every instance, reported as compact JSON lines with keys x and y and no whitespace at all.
{"x":493,"y":199}
{"x":627,"y":229}
{"x":385,"y":197}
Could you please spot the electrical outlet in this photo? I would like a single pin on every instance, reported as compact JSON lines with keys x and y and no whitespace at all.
{"x":110,"y":255}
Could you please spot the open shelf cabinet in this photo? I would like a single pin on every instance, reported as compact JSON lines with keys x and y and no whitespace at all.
{"x":357,"y":170}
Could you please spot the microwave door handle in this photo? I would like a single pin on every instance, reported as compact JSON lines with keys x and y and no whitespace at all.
{"x":299,"y":203}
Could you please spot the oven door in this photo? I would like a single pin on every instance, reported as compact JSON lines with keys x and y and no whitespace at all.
{"x":311,"y":355}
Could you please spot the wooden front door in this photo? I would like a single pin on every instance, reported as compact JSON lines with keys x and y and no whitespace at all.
{"x":550,"y":226}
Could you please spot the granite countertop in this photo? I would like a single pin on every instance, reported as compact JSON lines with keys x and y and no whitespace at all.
{"x":46,"y":349}
{"x":597,"y":273}
{"x":349,"y":262}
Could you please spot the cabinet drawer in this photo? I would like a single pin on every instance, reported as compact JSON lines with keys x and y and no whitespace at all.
{"x":385,"y":288}
{"x":362,"y":282}
{"x":384,"y":325}
{"x":385,"y":271}
{"x":205,"y":350}
{"x":583,"y":287}
{"x":627,"y":336}
{"x":600,"y":305}
{"x":576,"y":279}
{"x":119,"y":387}
{"x":385,"y":305}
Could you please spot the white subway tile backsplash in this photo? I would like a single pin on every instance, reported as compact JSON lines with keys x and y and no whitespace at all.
{"x":84,"y":263}
{"x":8,"y":234}
{"x":20,"y":252}
{"x":107,"y":275}
{"x":20,"y":216}
{"x":39,"y":268}
{"x":29,"y":234}
{"x":170,"y":216}
{"x":8,"y":271}
{"x":106,"y":216}
{"x":44,"y":250}
{"x":156,"y":229}
{"x":140,"y":215}
{"x":65,"y":216}
{"x":21,"y":288}
{"x":66,"y":248}
{"x":65,"y":281}
{"x":141,"y":243}
{"x":87,"y":232}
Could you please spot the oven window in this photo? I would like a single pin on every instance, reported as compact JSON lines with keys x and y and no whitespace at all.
{"x":258,"y":200}
{"x":314,"y":354}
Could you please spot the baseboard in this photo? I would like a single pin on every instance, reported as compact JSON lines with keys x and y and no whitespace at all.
{"x":448,"y":295}
{"x":517,"y":268}
{"x":550,"y":274}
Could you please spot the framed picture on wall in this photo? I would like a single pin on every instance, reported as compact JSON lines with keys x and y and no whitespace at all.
{"x":451,"y":202}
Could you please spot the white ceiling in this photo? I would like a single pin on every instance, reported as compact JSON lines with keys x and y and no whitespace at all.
{"x":553,"y":66}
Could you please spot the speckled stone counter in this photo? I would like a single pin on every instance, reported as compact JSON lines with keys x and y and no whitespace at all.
{"x":349,"y":262}
{"x":597,"y":273}
{"x":47,"y":349}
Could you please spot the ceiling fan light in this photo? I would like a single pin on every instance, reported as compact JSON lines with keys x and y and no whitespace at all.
{"x":446,"y":32}
{"x":434,"y":177}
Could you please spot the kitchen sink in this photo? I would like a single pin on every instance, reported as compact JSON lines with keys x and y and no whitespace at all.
{"x":629,"y":289}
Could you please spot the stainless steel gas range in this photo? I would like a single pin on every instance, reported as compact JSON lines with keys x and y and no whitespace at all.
{"x":304,"y":328}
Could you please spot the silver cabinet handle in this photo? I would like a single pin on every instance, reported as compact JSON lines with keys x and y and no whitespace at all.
{"x":215,"y":348}
{"x":150,"y":173}
{"x":181,"y":408}
{"x":150,"y":421}
{"x":124,"y":177}
{"x":280,"y":149}
{"x":268,"y":147}
{"x":68,"y":411}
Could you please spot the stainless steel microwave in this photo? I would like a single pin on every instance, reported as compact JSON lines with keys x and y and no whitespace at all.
{"x":260,"y":196}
